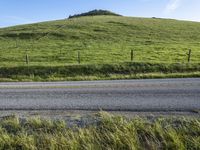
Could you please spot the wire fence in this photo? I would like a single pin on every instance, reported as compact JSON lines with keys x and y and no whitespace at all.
{"x":61,"y":56}
{"x":20,"y":52}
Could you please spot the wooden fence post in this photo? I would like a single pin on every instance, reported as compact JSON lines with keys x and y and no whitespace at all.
{"x":79,"y":57}
{"x":189,"y":55}
{"x":27,"y":59}
{"x":131,"y":55}
{"x":16,"y":43}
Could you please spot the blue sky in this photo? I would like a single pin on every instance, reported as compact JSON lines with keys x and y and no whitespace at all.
{"x":14,"y":12}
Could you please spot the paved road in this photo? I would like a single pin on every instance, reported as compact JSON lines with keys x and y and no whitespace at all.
{"x":124,"y":95}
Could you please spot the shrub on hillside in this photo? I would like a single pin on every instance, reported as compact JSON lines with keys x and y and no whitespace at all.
{"x":94,"y":13}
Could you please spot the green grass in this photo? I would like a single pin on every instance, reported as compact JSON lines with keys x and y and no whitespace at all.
{"x":100,"y":40}
{"x":98,"y":72}
{"x":107,"y":132}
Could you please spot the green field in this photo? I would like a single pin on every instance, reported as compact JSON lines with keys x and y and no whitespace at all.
{"x":106,"y":132}
{"x":99,"y":40}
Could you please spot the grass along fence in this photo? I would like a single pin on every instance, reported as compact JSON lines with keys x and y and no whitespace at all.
{"x":59,"y":54}
{"x":100,"y":71}
{"x":66,"y":57}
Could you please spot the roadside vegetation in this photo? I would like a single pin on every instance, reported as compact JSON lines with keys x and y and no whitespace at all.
{"x":97,"y":72}
{"x":92,"y":42}
{"x":106,"y":132}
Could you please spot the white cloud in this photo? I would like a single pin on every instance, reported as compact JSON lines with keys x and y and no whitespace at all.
{"x":172,"y":6}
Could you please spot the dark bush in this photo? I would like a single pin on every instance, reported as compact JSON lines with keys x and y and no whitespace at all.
{"x":95,"y":13}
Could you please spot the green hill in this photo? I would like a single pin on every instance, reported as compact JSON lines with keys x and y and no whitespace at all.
{"x":100,"y":40}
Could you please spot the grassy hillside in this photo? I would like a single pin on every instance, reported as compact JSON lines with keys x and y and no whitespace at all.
{"x":100,"y":40}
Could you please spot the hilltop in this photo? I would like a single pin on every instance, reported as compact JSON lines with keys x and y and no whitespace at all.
{"x":100,"y":40}
{"x":95,"y":13}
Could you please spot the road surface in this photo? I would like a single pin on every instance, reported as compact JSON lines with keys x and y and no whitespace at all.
{"x":120,"y":95}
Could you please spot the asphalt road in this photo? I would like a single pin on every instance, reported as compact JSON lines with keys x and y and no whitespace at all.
{"x":122,"y":95}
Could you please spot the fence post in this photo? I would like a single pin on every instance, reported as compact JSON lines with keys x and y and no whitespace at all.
{"x":131,"y":55}
{"x":27,"y":59}
{"x":79,"y":57}
{"x":189,"y":55}
{"x":16,"y":45}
